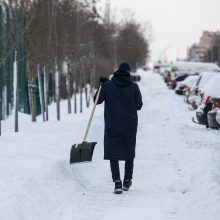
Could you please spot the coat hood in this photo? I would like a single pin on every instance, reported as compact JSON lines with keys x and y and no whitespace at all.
{"x":121,"y":79}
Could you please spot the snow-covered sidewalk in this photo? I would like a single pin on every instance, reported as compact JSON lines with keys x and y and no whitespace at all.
{"x":176,"y":175}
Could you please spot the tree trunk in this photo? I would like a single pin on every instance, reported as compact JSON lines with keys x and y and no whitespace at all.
{"x":75,"y":98}
{"x":29,"y":94}
{"x":46,"y":93}
{"x":4,"y":102}
{"x":33,"y":89}
{"x":16,"y":87}
{"x":93,"y":80}
{"x":57,"y":81}
{"x":68,"y":79}
{"x":16,"y":108}
{"x":88,"y":96}
{"x":81,"y":99}
{"x":41,"y":92}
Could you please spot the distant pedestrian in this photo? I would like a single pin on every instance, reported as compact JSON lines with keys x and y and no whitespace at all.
{"x":122,"y":100}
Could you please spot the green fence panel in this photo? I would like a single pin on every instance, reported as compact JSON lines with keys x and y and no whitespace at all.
{"x":1,"y":50}
{"x":23,"y":82}
{"x":7,"y":39}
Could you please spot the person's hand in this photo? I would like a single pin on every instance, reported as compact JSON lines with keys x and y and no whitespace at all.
{"x":103,"y":80}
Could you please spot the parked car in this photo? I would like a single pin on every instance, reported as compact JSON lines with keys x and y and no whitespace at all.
{"x":188,"y":90}
{"x":161,"y":68}
{"x":217,"y":117}
{"x":195,"y":67}
{"x":212,"y":91}
{"x":202,"y":112}
{"x":167,"y":77}
{"x":213,"y":118}
{"x":135,"y":77}
{"x":195,"y":99}
{"x":184,"y":86}
{"x":206,"y":113}
{"x":179,"y":78}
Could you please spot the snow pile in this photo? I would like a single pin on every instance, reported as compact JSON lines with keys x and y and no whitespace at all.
{"x":195,"y":66}
{"x":212,"y":87}
{"x":176,"y":173}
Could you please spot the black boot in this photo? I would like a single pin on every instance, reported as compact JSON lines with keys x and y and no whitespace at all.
{"x":118,"y":187}
{"x":126,"y":185}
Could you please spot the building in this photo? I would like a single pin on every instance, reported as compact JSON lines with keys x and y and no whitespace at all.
{"x":208,"y":48}
{"x":197,"y":53}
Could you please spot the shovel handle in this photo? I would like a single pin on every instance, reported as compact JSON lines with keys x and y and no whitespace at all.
{"x":91,"y":116}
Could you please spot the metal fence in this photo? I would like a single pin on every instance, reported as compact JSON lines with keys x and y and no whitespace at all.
{"x":9,"y":43}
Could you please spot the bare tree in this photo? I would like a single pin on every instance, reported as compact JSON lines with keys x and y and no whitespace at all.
{"x":131,"y":44}
{"x":71,"y":31}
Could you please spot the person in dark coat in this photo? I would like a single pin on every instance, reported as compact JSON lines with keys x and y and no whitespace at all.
{"x":122,"y":100}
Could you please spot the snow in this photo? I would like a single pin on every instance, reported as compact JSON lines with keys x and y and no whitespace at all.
{"x":212,"y":88}
{"x":190,"y":80}
{"x":176,"y":174}
{"x":195,"y":66}
{"x":205,"y":77}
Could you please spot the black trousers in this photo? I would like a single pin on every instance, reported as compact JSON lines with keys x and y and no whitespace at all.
{"x":129,"y":165}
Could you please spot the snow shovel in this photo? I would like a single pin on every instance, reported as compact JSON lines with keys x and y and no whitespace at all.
{"x":83,"y":152}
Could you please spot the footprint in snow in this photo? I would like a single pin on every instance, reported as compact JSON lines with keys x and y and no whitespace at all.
{"x":178,"y":187}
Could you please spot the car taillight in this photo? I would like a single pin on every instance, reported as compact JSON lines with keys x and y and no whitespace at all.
{"x":209,"y":98}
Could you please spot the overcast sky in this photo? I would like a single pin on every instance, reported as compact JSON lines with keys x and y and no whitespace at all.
{"x":176,"y":23}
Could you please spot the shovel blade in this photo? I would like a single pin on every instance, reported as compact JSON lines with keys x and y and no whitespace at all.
{"x":82,"y":152}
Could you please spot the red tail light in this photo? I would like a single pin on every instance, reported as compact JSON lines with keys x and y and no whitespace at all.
{"x":209,"y":99}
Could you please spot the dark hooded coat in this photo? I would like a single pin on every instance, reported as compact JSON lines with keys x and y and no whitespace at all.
{"x":122,"y":100}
